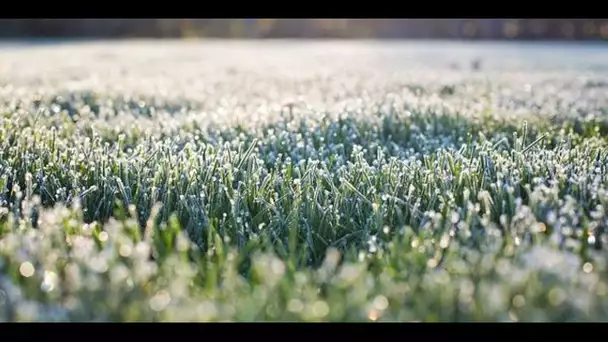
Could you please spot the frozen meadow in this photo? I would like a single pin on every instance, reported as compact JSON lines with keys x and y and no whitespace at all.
{"x":303,"y":181}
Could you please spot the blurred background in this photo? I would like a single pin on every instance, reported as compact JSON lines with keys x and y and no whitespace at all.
{"x":521,"y":29}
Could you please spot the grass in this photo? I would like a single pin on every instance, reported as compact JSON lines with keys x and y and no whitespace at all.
{"x":211,"y":182}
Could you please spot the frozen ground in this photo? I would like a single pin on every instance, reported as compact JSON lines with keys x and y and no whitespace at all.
{"x":333,"y":181}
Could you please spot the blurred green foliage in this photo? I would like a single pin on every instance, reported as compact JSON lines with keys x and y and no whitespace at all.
{"x":310,"y":28}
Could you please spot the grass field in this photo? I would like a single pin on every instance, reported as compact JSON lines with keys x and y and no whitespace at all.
{"x":320,"y":181}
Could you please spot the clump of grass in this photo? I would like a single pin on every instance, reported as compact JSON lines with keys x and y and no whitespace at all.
{"x":372,"y":200}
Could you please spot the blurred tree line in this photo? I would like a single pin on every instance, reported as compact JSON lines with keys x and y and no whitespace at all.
{"x":574,"y":29}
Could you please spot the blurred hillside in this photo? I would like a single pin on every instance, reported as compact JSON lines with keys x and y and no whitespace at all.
{"x":570,"y":29}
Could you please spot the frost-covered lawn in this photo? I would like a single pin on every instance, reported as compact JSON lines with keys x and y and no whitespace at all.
{"x":335,"y":181}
